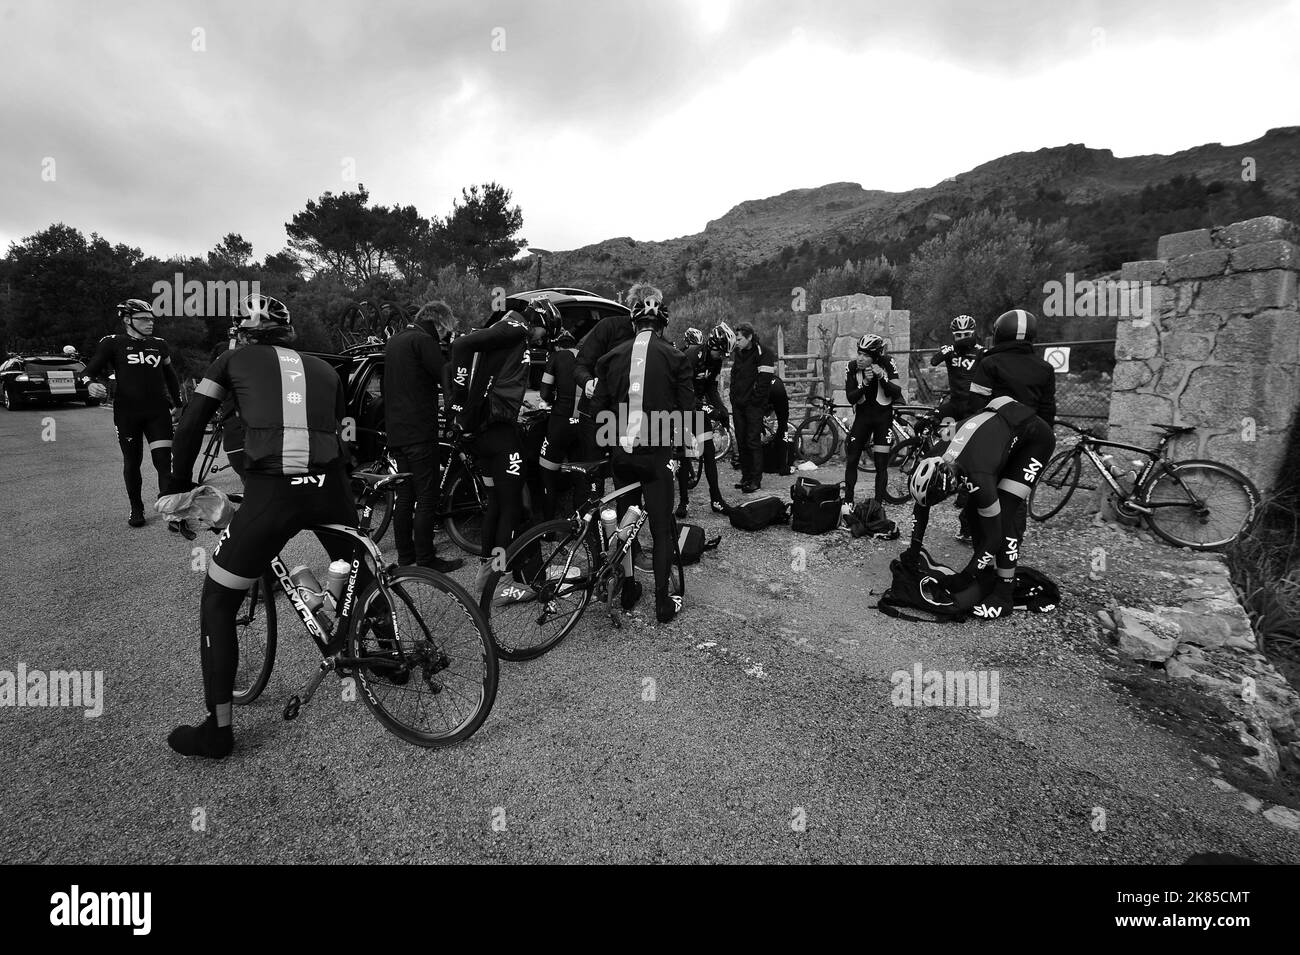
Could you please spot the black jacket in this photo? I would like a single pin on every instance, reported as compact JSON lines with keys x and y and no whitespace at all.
{"x":413,"y":376}
{"x":752,"y":371}
{"x":490,"y":373}
{"x":559,"y":386}
{"x":662,"y":384}
{"x":1012,"y":369}
{"x":610,"y":331}
{"x":864,"y":395}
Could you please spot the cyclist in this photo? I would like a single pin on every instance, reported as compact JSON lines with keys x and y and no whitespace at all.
{"x":641,"y":384}
{"x":997,"y":455}
{"x":292,"y":405}
{"x":691,"y":339}
{"x":564,"y":429}
{"x":960,"y":358}
{"x":870,"y":386}
{"x":1011,"y":369}
{"x":706,"y":364}
{"x":413,"y":375}
{"x":488,"y":384}
{"x":752,"y":371}
{"x":146,"y":403}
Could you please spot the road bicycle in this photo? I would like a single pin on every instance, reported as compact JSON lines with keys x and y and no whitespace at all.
{"x":823,"y":431}
{"x":1204,"y":505}
{"x":208,"y":465}
{"x":928,"y":433}
{"x":722,"y":446}
{"x":415,"y":642}
{"x":549,"y":574}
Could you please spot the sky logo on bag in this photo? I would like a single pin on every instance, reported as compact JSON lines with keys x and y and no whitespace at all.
{"x":514,"y":464}
{"x":987,"y":612}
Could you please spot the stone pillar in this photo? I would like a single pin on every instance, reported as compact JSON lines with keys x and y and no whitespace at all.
{"x":1219,"y":349}
{"x":845,"y":319}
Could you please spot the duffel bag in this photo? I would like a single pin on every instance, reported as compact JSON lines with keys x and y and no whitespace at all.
{"x":811,"y":489}
{"x":759,"y":513}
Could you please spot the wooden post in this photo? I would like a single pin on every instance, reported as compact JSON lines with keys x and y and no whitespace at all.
{"x":780,"y":352}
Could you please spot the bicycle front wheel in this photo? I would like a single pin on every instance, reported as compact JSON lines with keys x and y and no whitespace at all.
{"x":382,"y":504}
{"x":903,"y":460}
{"x":1203,"y":505}
{"x":817,"y":438}
{"x":429,"y":671}
{"x":1056,"y":484}
{"x":255,"y":629}
{"x":463,"y":509}
{"x":540,"y":594}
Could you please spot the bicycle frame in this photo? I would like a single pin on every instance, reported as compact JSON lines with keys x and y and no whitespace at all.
{"x":585,"y":516}
{"x":1088,"y":446}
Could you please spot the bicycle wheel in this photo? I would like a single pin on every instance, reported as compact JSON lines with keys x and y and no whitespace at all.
{"x":721,"y":442}
{"x":1055,"y":485}
{"x":255,"y":628}
{"x":382,"y":504}
{"x":694,"y":470}
{"x":817,"y":438}
{"x":903,"y":460}
{"x":548,"y":599}
{"x":1203,"y":505}
{"x":430,"y":674}
{"x":462,"y":514}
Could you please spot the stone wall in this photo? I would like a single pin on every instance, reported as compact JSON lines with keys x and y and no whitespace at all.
{"x":845,"y":319}
{"x":1219,"y":350}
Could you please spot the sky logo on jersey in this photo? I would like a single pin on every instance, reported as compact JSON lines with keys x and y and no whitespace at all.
{"x":315,"y":479}
{"x":462,"y":375}
{"x":140,"y":358}
{"x":514,"y":464}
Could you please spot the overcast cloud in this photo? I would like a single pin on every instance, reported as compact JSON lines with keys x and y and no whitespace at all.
{"x":605,"y":118}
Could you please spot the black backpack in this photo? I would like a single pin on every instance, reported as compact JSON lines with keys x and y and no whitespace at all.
{"x":1035,"y":591}
{"x":759,"y":513}
{"x":815,"y":507}
{"x":691,"y":543}
{"x":778,"y":456}
{"x":916,"y":594}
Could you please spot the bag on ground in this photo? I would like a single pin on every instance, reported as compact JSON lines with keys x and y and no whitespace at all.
{"x":759,"y":513}
{"x":915,"y":594}
{"x":815,"y":507}
{"x":1035,"y":592}
{"x":868,"y":517}
{"x":691,"y":543}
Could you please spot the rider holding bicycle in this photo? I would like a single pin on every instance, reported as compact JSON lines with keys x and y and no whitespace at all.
{"x":292,"y":405}
{"x":645,"y":386}
{"x":491,"y":375}
{"x":869,"y":385}
{"x":564,"y":429}
{"x":144,"y":407}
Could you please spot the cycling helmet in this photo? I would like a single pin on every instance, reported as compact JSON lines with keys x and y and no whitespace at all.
{"x":1016,"y":325}
{"x":542,"y":313}
{"x":134,"y":308}
{"x":565,"y":338}
{"x":693,"y":337}
{"x":70,"y":351}
{"x":962,"y":325}
{"x":650,"y":311}
{"x":262,"y":312}
{"x":722,"y":337}
{"x":872,"y":345}
{"x":931,"y":482}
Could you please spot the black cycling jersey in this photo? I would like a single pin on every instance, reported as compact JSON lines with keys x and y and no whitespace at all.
{"x":1004,"y":447}
{"x":291,"y":405}
{"x":560,"y":385}
{"x":638,"y":380}
{"x":610,"y":331}
{"x":705,"y":372}
{"x":146,"y":379}
{"x":874,"y":398}
{"x":961,"y":369}
{"x":490,"y":374}
{"x":1012,"y":370}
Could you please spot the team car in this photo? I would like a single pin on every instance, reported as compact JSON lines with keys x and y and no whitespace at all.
{"x":43,"y":379}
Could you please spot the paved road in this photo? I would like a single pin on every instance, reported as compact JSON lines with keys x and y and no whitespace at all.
{"x":770,"y":737}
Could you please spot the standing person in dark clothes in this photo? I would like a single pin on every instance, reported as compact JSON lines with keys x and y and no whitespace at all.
{"x":413,"y":376}
{"x":1011,"y":369}
{"x":870,"y":384}
{"x":564,"y":429}
{"x":752,"y":372}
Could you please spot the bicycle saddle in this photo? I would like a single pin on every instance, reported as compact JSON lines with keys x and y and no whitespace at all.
{"x":583,"y":467}
{"x":376,"y":480}
{"x":1173,"y":428}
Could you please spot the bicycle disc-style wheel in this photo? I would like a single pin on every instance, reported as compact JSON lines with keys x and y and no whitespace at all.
{"x":431,"y":677}
{"x":463,"y":517}
{"x":903,"y":460}
{"x":1203,"y":505}
{"x":1055,"y":485}
{"x":817,"y":438}
{"x":547,"y":601}
{"x":255,"y":628}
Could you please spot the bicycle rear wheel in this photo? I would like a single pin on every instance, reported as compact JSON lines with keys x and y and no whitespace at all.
{"x":1203,"y":505}
{"x":430,"y":674}
{"x":818,"y":439}
{"x":534,"y":601}
{"x":463,"y":509}
{"x":1054,"y":487}
{"x":903,"y":460}
{"x":382,"y":504}
{"x":255,"y":628}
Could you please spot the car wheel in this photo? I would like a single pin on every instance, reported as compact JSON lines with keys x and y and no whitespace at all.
{"x":7,"y":395}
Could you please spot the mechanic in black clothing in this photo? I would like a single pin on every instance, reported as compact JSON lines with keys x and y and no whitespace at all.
{"x":752,"y":371}
{"x":960,"y":358}
{"x":147,"y":401}
{"x":413,"y":375}
{"x":1011,"y":369}
{"x":292,"y":405}
{"x":706,"y":364}
{"x":488,"y":384}
{"x":564,"y":439}
{"x":870,"y":385}
{"x":644,"y":397}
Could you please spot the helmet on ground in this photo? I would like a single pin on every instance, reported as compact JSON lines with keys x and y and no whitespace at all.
{"x":693,"y":336}
{"x":1016,"y":325}
{"x":261,"y":312}
{"x":542,"y":313}
{"x":134,"y":308}
{"x":962,"y":326}
{"x":722,"y":337}
{"x":872,"y":345}
{"x":931,"y":482}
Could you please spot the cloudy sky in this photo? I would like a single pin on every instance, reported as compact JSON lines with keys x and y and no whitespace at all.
{"x":172,"y":123}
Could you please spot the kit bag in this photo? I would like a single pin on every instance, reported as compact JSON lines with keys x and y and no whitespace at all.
{"x":815,"y":507}
{"x":759,"y":513}
{"x":691,"y":543}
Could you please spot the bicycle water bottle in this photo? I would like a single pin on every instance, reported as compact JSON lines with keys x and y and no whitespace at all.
{"x":629,"y":519}
{"x":311,"y":594}
{"x":336,"y":578}
{"x":609,"y":523}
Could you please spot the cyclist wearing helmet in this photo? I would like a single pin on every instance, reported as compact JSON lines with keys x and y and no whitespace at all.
{"x":413,"y":378}
{"x":639,"y":383}
{"x":692,"y":338}
{"x":1010,"y":368}
{"x":960,"y":357}
{"x":752,"y":371}
{"x":869,"y":385}
{"x":292,"y":405}
{"x":489,"y":380}
{"x":564,"y":429}
{"x":148,"y":392}
{"x":997,"y":455}
{"x":706,"y":364}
